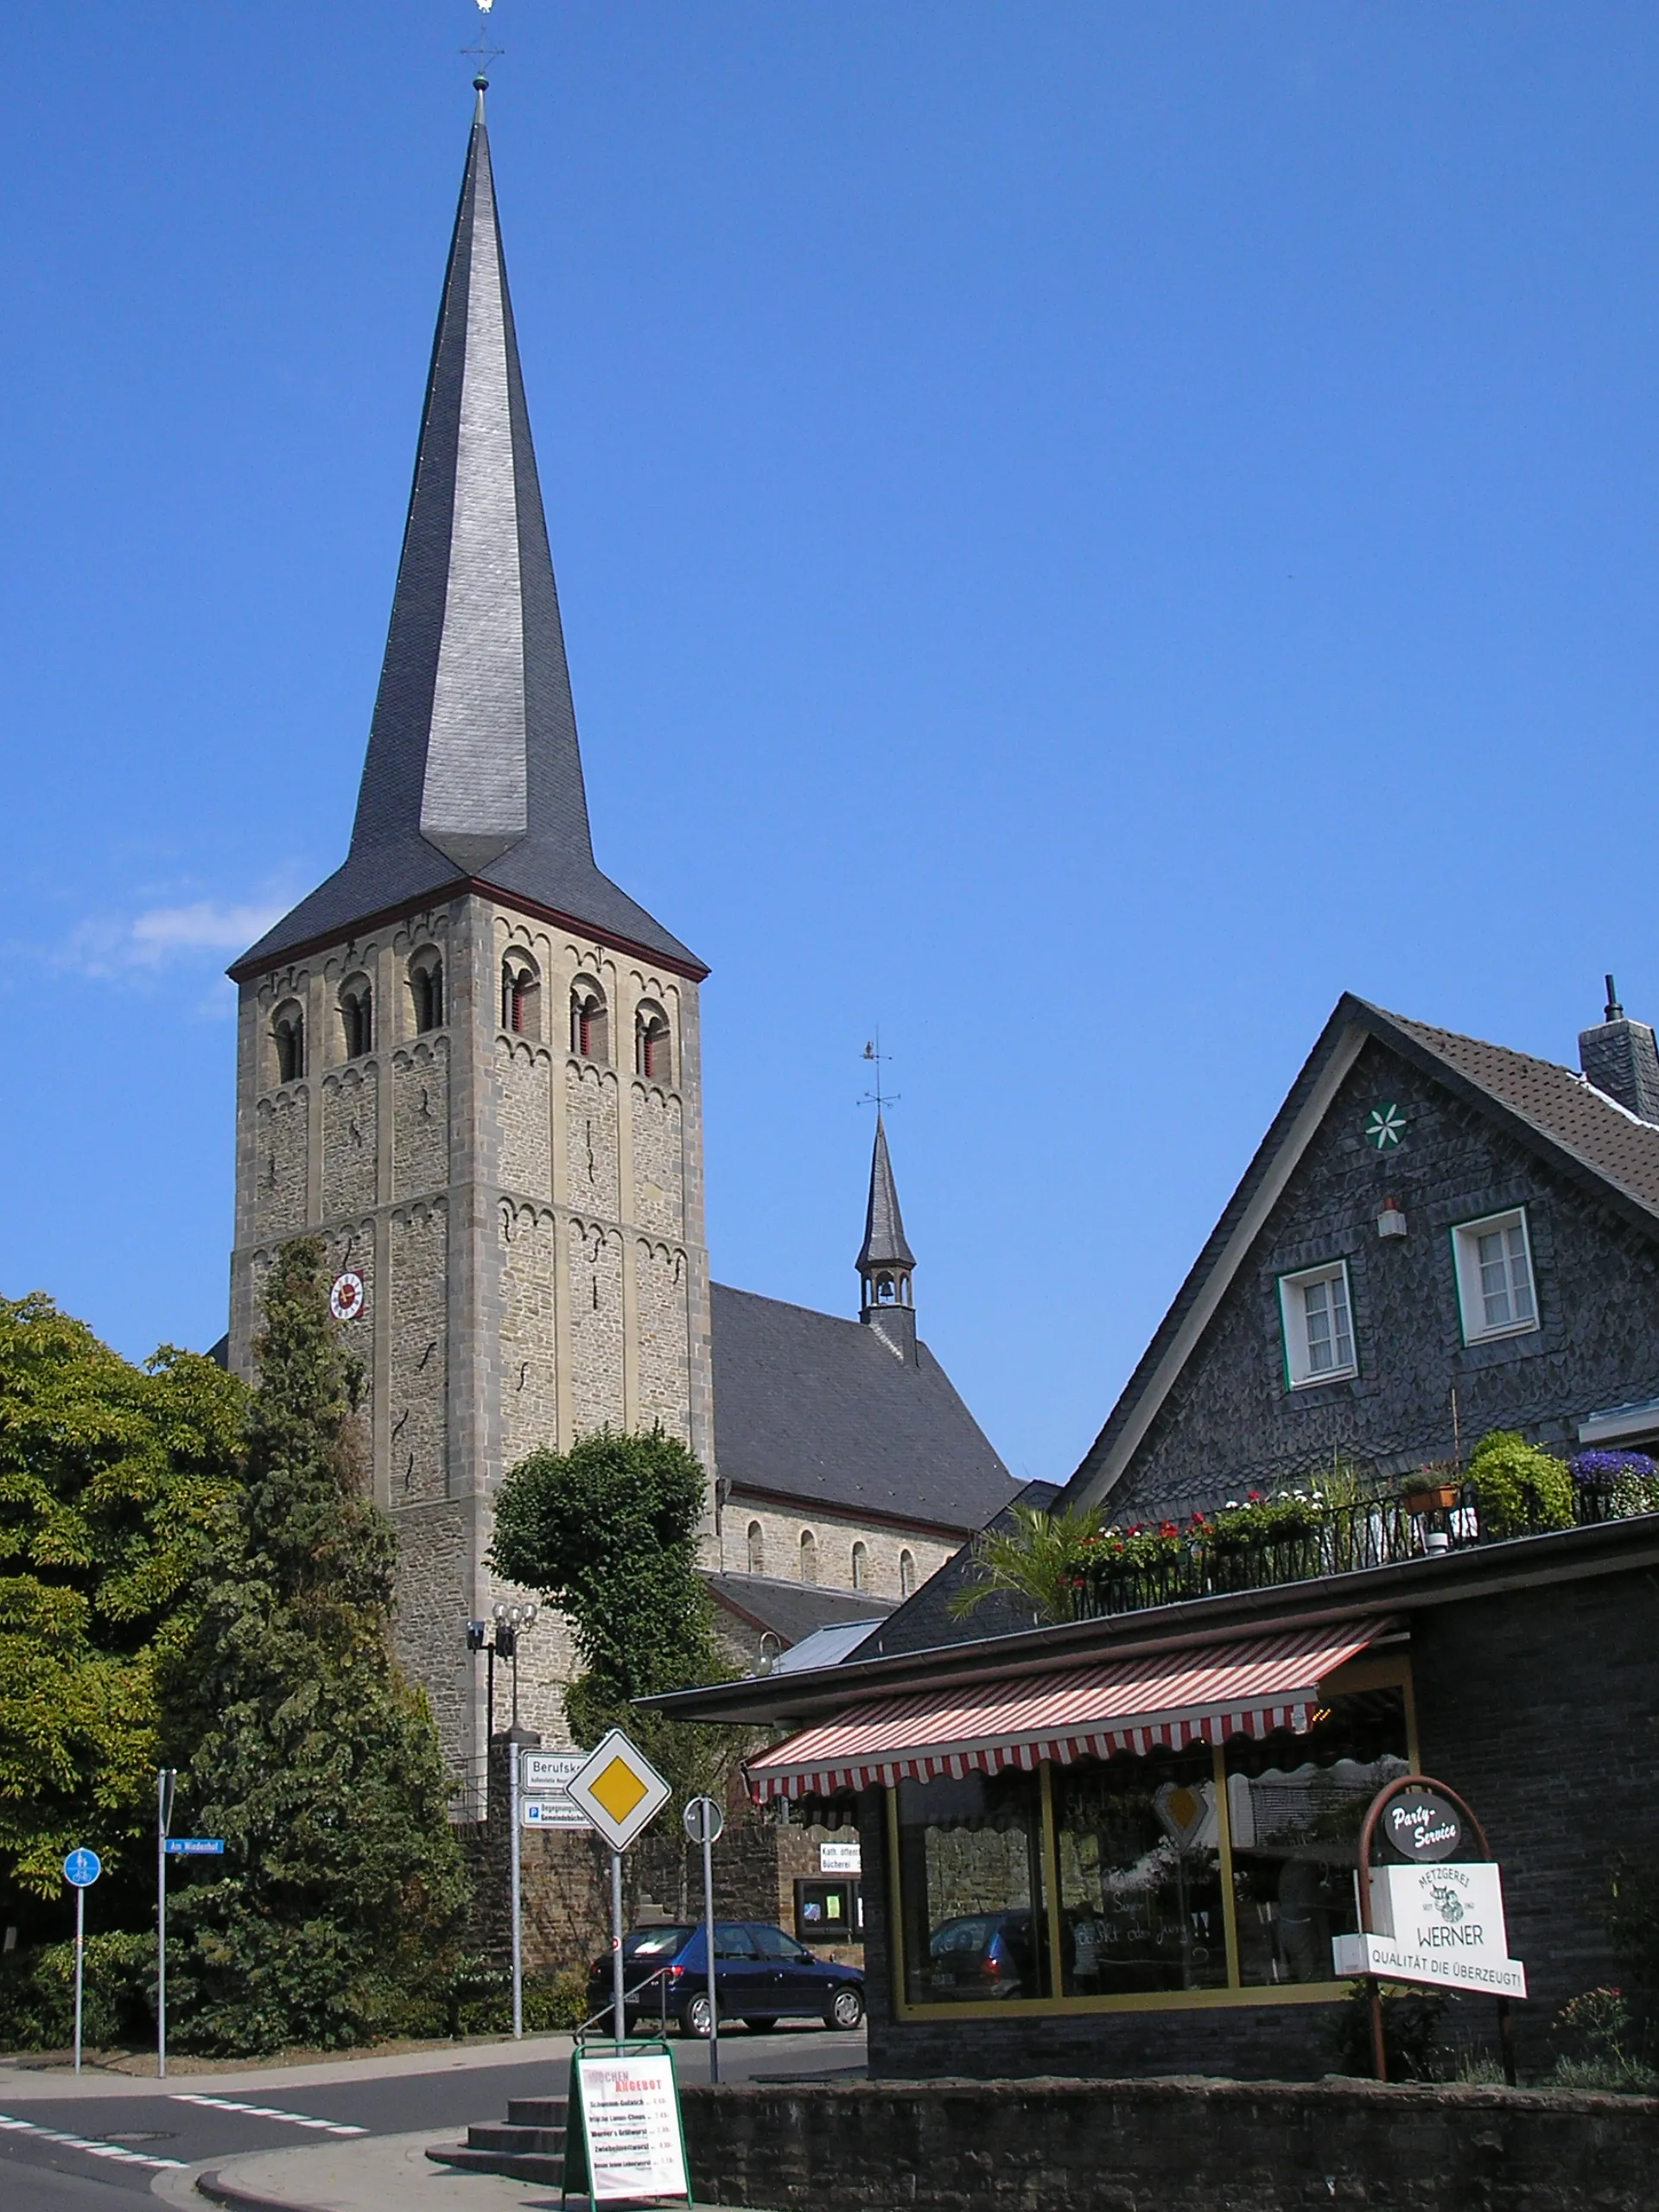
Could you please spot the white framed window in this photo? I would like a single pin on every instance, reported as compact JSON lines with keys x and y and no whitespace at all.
{"x":1495,"y":1294}
{"x":1317,"y":1316}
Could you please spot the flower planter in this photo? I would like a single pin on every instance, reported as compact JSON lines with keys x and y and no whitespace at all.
{"x":1437,"y":1497}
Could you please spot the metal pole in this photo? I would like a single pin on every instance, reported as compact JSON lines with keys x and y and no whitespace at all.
{"x":80,"y":1953}
{"x":161,"y":1928}
{"x":619,"y":2019}
{"x":709,"y":1941}
{"x":517,"y":1926}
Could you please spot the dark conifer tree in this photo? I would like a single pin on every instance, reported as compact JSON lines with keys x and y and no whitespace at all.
{"x":336,"y":1912}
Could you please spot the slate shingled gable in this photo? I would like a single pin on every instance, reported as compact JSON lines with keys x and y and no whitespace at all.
{"x":1589,"y":1169}
{"x":817,"y":1410}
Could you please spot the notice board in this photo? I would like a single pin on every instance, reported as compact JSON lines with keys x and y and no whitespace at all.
{"x":625,"y":2142}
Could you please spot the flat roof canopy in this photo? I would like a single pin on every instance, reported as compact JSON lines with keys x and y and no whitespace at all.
{"x":1164,"y":1699}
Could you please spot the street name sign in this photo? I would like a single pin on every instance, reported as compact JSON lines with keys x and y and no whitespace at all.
{"x":618,"y":1790}
{"x":540,"y":1771}
{"x":195,"y":1846}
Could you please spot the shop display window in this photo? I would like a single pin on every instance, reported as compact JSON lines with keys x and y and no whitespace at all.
{"x":970,"y":1876}
{"x":1294,"y":1806}
{"x":1137,"y":1845}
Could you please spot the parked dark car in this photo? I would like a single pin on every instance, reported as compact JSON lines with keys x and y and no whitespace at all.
{"x":982,"y":1955}
{"x":761,"y":1976}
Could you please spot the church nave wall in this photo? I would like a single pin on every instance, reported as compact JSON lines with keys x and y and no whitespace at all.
{"x":830,"y":1553}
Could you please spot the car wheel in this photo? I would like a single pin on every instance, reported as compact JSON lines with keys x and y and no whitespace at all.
{"x":761,"y":2025}
{"x":846,"y":2007}
{"x":695,"y":2016}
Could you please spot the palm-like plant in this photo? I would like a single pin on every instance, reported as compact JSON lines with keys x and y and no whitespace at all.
{"x":1039,"y":1561}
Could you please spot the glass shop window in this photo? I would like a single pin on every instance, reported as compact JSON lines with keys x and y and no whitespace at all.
{"x":1295,"y":1804}
{"x":970,"y":1874}
{"x":1139,"y":1873}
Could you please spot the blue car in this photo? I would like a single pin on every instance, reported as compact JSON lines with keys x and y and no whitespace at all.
{"x":761,"y":1976}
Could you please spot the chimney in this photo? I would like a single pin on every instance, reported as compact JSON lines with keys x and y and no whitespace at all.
{"x":1620,"y":1058}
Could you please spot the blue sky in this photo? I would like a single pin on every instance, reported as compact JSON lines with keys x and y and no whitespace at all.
{"x":1084,"y":530}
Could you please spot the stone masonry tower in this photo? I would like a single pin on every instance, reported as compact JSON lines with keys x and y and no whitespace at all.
{"x":468,"y":1060}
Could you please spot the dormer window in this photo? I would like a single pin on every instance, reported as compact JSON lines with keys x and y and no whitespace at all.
{"x":589,"y":1034}
{"x":288,"y":1035}
{"x":357,"y":1016}
{"x":521,"y":996}
{"x":426,"y":989}
{"x":652,"y":1056}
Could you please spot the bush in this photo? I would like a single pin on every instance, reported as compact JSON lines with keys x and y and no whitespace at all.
{"x":1519,"y":1486}
{"x":37,"y":1995}
{"x":1599,"y":2029}
{"x":1412,"y":2022}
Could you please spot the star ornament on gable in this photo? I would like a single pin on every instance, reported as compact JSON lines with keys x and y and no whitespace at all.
{"x":1386,"y":1125}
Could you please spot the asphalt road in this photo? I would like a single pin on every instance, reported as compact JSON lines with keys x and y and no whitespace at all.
{"x":115,"y":2144}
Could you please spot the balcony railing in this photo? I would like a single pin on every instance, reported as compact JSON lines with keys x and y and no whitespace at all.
{"x":1339,"y":1540}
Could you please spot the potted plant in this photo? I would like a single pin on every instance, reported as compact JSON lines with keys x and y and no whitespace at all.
{"x":1434,"y":1489}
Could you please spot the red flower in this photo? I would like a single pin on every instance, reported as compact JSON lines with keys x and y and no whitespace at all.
{"x":1168,"y":1529}
{"x":1256,"y":1497}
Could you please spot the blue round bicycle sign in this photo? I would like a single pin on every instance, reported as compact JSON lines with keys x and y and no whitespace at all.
{"x":82,"y":1868}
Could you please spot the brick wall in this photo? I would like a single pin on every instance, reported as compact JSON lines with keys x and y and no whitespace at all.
{"x":1085,"y":2146}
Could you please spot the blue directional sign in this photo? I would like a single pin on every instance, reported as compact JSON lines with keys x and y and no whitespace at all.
{"x":193,"y":1846}
{"x":82,"y":1868}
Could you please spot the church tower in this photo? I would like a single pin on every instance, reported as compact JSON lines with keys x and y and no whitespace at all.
{"x":468,"y":1060}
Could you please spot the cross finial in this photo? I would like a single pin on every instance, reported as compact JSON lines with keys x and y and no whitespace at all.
{"x":482,"y":53}
{"x":877,"y":1097}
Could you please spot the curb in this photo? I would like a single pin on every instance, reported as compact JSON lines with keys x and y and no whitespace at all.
{"x":218,"y":2191}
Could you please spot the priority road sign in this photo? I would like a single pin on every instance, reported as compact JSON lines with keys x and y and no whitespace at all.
{"x":82,"y":1868}
{"x":618,"y":1790}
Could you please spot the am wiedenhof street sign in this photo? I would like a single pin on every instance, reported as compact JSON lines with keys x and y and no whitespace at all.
{"x":195,"y":1846}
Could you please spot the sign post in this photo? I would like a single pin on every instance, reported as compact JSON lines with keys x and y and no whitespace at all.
{"x":1433,"y":1911}
{"x":518,"y":1891}
{"x":166,"y":1777}
{"x":703,"y":1821}
{"x":80,"y":1870}
{"x":620,"y":1790}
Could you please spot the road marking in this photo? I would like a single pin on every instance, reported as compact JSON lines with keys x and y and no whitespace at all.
{"x":270,"y":2112}
{"x":118,"y":2151}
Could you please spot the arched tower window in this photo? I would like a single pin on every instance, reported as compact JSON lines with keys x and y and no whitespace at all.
{"x":426,"y":989}
{"x":757,"y":1548}
{"x":288,"y":1034}
{"x":357,"y":1016}
{"x":589,"y":1032}
{"x":521,"y":996}
{"x":861,"y":1566}
{"x":906,"y":1575}
{"x":652,"y":1056}
{"x":809,"y":1556}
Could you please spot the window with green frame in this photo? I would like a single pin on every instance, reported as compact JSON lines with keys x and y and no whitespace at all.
{"x":1196,"y":1870}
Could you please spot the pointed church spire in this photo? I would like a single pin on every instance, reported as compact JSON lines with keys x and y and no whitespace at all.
{"x":474,"y":770}
{"x":886,"y":1260}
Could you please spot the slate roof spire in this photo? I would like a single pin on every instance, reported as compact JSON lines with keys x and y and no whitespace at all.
{"x":886,"y":1260}
{"x":474,"y":770}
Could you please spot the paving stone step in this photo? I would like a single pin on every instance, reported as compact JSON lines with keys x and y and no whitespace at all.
{"x":529,"y":2166}
{"x":537,"y":2112}
{"x":493,"y":2136}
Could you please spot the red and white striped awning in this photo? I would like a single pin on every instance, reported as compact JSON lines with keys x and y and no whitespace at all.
{"x":1204,"y":1693}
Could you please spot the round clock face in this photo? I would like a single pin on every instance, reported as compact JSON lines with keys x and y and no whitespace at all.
{"x":345,"y":1299}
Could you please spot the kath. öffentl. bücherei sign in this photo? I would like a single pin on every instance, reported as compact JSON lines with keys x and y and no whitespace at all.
{"x":1440,"y":1921}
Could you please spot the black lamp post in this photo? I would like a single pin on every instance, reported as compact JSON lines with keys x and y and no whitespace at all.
{"x":510,"y":1622}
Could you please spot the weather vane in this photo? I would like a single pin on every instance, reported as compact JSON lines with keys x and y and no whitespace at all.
{"x":483,"y":53}
{"x":879,"y":1098}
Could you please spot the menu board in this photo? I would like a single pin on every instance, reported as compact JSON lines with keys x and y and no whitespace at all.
{"x":630,"y":2110}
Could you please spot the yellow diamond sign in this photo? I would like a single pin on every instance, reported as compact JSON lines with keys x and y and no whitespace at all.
{"x":618,"y":1790}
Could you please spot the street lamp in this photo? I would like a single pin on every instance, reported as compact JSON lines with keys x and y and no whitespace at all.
{"x":510,"y":1623}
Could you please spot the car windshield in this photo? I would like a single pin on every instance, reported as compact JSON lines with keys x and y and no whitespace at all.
{"x":654,"y":1942}
{"x":963,"y":1935}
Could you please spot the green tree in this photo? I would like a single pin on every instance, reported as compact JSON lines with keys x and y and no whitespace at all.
{"x":115,"y":1481}
{"x":608,"y":1531}
{"x":337,"y":1910}
{"x":1039,"y":1558}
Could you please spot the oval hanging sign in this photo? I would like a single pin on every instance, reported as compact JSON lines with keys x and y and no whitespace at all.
{"x":347,"y":1298}
{"x":1423,"y":1826}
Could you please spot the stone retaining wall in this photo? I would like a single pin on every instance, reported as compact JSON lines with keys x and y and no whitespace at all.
{"x":1049,"y":2145}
